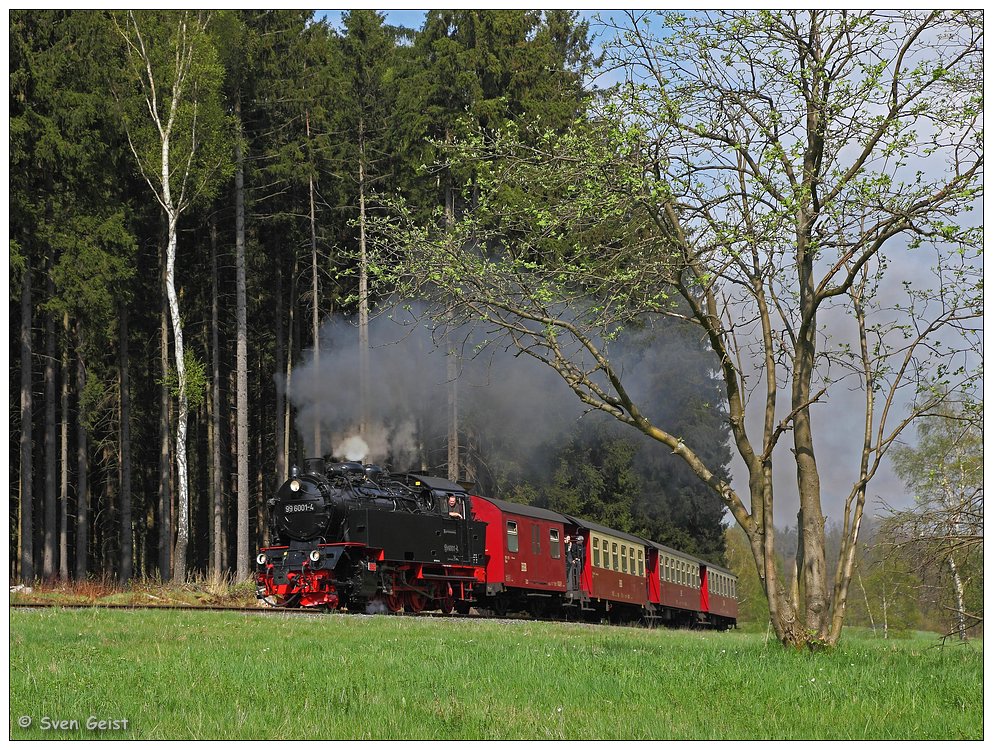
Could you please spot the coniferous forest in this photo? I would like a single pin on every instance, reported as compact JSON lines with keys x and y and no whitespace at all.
{"x":191,"y":198}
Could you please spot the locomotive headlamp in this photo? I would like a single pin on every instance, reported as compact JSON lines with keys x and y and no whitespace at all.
{"x":295,"y":485}
{"x":261,"y":559}
{"x":315,"y":555}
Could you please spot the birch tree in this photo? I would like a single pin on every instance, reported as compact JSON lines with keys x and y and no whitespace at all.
{"x":765,"y":178}
{"x":178,"y":135}
{"x":944,"y":528}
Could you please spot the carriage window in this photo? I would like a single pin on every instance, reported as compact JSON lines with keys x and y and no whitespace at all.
{"x":596,"y":551}
{"x":512,"y":536}
{"x":624,"y":558}
{"x":613,"y":549}
{"x":641,"y":563}
{"x":553,"y":542}
{"x":631,"y":559}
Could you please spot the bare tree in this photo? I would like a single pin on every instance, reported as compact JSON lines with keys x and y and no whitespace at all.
{"x":755,"y":175}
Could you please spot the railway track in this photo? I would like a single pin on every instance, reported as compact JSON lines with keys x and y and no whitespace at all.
{"x":215,"y":608}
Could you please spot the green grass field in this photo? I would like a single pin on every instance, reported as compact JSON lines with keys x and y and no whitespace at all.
{"x":210,"y":675}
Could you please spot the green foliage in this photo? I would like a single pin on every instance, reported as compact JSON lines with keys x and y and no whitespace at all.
{"x":196,"y":380}
{"x":595,"y":479}
{"x":68,"y":199}
{"x":170,"y":104}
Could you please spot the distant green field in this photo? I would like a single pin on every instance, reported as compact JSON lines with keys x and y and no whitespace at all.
{"x":210,"y":675}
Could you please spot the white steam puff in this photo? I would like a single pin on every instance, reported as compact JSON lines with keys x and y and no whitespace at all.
{"x":352,"y":448}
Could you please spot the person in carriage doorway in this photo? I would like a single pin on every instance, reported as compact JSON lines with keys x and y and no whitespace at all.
{"x":454,"y":507}
{"x":574,"y":554}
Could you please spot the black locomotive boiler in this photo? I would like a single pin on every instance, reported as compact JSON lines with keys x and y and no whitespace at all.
{"x":354,"y":536}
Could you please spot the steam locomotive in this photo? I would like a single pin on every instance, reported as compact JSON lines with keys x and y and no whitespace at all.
{"x":353,"y":536}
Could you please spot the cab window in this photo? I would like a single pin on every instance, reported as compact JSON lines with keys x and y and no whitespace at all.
{"x":512,"y":536}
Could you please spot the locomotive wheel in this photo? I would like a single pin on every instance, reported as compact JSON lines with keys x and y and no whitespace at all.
{"x":414,"y":601}
{"x":446,"y":604}
{"x":462,"y":607}
{"x":394,"y":603}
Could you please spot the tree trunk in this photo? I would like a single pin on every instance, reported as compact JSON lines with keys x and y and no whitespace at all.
{"x":886,"y":619}
{"x":165,"y":457}
{"x":453,"y":415}
{"x":291,"y":341}
{"x":242,"y":561}
{"x":232,"y":473}
{"x":315,"y":297}
{"x":105,"y":518}
{"x":64,"y":454}
{"x":182,"y":416}
{"x":364,"y":384}
{"x":27,"y":473}
{"x":452,"y":363}
{"x":868,"y":609}
{"x":50,"y":558}
{"x":82,"y":463}
{"x":959,"y":599}
{"x":280,"y":392}
{"x":127,"y":529}
{"x":260,"y":505}
{"x":216,"y":474}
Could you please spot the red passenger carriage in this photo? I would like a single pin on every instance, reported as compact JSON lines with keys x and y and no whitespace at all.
{"x":525,"y":556}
